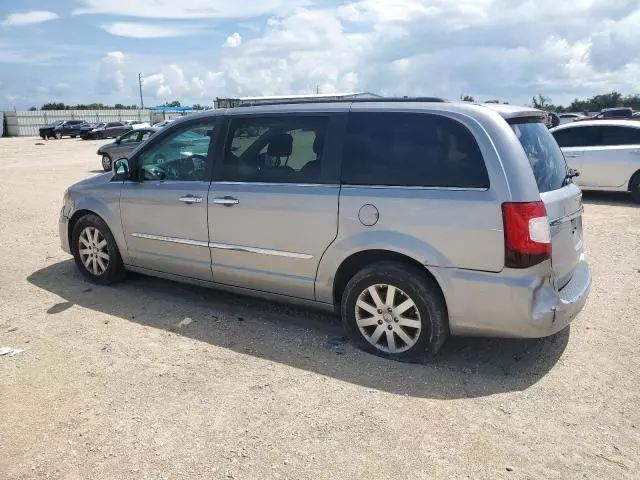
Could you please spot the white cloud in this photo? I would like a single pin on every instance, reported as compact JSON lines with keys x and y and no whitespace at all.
{"x":171,"y":83}
{"x":110,"y":73}
{"x":486,"y":48}
{"x":147,"y":30}
{"x":185,"y":9}
{"x":233,"y":40}
{"x":29,"y":18}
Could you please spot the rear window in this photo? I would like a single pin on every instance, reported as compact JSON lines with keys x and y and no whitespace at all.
{"x":411,"y":149}
{"x":544,"y":154}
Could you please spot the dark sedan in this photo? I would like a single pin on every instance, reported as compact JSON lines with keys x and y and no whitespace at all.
{"x":123,"y":146}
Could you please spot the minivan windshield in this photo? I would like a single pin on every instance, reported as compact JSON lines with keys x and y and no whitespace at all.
{"x":544,"y":154}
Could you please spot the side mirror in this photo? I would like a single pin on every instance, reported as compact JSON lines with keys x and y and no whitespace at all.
{"x":117,"y":140}
{"x":121,"y":169}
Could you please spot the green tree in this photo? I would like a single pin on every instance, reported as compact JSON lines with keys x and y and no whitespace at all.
{"x":175,"y":103}
{"x":468,"y":98}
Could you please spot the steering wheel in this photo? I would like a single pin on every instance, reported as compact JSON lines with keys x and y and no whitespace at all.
{"x":156,"y":172}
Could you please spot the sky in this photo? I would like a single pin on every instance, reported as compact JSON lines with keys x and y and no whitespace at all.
{"x":86,"y":51}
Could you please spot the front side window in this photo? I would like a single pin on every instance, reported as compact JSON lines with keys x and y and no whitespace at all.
{"x":578,"y":136}
{"x":274,"y":150}
{"x":131,"y":137}
{"x":114,"y":124}
{"x":545,"y":157}
{"x":180,"y":156}
{"x":145,"y":135}
{"x":411,"y":149}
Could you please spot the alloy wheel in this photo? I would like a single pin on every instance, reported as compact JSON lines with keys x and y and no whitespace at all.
{"x":93,"y":251}
{"x":388,"y":318}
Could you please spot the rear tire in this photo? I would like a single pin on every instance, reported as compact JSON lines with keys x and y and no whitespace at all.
{"x":43,"y":136}
{"x":634,"y":187}
{"x":58,"y":135}
{"x":107,"y":164}
{"x":95,"y":251}
{"x":73,"y":136}
{"x":408,"y":320}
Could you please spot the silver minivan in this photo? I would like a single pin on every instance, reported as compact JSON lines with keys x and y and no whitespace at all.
{"x":413,"y":220}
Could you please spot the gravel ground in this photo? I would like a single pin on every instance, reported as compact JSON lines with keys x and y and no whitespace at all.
{"x":151,"y":379}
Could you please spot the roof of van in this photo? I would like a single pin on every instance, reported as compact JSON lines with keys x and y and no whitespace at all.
{"x":506,"y":111}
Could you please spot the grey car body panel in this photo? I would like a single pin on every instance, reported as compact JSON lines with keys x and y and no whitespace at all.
{"x":286,"y":242}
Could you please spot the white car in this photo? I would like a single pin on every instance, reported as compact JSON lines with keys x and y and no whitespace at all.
{"x":605,"y":152}
{"x":569,"y":117}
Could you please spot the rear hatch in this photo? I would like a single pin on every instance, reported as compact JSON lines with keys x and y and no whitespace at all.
{"x":561,"y":197}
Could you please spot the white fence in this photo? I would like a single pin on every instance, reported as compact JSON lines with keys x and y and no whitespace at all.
{"x":24,"y":124}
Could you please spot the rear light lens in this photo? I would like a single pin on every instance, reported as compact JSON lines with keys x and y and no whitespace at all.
{"x":527,"y":237}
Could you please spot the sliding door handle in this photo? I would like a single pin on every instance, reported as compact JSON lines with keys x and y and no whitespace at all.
{"x":190,"y":199}
{"x":226,"y":201}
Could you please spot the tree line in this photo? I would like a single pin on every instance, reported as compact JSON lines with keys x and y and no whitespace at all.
{"x":102,"y":106}
{"x":593,"y":104}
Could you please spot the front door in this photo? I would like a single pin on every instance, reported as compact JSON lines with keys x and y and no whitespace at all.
{"x":164,"y":213}
{"x":273,"y":205}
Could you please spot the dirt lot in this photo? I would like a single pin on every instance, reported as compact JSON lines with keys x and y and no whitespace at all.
{"x":154,"y":380}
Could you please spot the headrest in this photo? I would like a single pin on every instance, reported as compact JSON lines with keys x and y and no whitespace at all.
{"x":280,"y":145}
{"x":318,"y":143}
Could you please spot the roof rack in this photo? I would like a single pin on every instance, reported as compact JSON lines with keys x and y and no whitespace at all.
{"x":344,"y":100}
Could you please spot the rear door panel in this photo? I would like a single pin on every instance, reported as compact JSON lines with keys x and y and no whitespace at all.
{"x":564,"y":209}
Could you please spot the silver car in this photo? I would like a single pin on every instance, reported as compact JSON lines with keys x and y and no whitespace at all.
{"x":123,"y":146}
{"x":605,"y":152}
{"x":413,"y":220}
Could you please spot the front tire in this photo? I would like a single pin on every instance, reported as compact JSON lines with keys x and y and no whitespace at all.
{"x":107,"y":164}
{"x":95,"y":251}
{"x":395,"y":310}
{"x":635,"y":187}
{"x":58,"y":135}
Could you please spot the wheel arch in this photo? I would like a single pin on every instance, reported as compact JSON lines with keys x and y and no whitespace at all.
{"x":631,"y":180}
{"x":77,"y":215}
{"x":359,"y":260}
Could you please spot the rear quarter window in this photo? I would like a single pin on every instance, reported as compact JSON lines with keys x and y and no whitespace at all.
{"x":411,"y":149}
{"x":544,"y":154}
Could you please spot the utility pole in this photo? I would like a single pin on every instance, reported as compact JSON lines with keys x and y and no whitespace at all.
{"x":140,"y":85}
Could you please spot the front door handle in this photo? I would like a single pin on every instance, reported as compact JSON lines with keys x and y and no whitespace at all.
{"x":227,"y":201}
{"x":190,"y":199}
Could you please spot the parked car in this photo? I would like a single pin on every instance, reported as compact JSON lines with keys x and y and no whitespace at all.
{"x":61,"y":128}
{"x":163,"y":123}
{"x":414,"y":220}
{"x":109,"y":130}
{"x":123,"y":145}
{"x":46,"y":131}
{"x":569,"y":117}
{"x":87,"y":130}
{"x":610,"y":114}
{"x":605,"y":152}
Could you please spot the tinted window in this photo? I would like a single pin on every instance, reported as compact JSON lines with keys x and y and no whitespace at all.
{"x":545,"y":157}
{"x":619,"y":135}
{"x":145,"y":135}
{"x":131,"y":137}
{"x":180,"y":156}
{"x":114,"y":124}
{"x":275,"y":150}
{"x":411,"y":149}
{"x":577,"y":136}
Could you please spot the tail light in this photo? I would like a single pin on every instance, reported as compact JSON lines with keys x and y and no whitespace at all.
{"x":527,"y":237}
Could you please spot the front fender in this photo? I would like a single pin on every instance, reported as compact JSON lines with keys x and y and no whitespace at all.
{"x":106,"y":204}
{"x":386,"y":240}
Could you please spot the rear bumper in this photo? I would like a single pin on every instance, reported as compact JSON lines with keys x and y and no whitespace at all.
{"x":512,"y":303}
